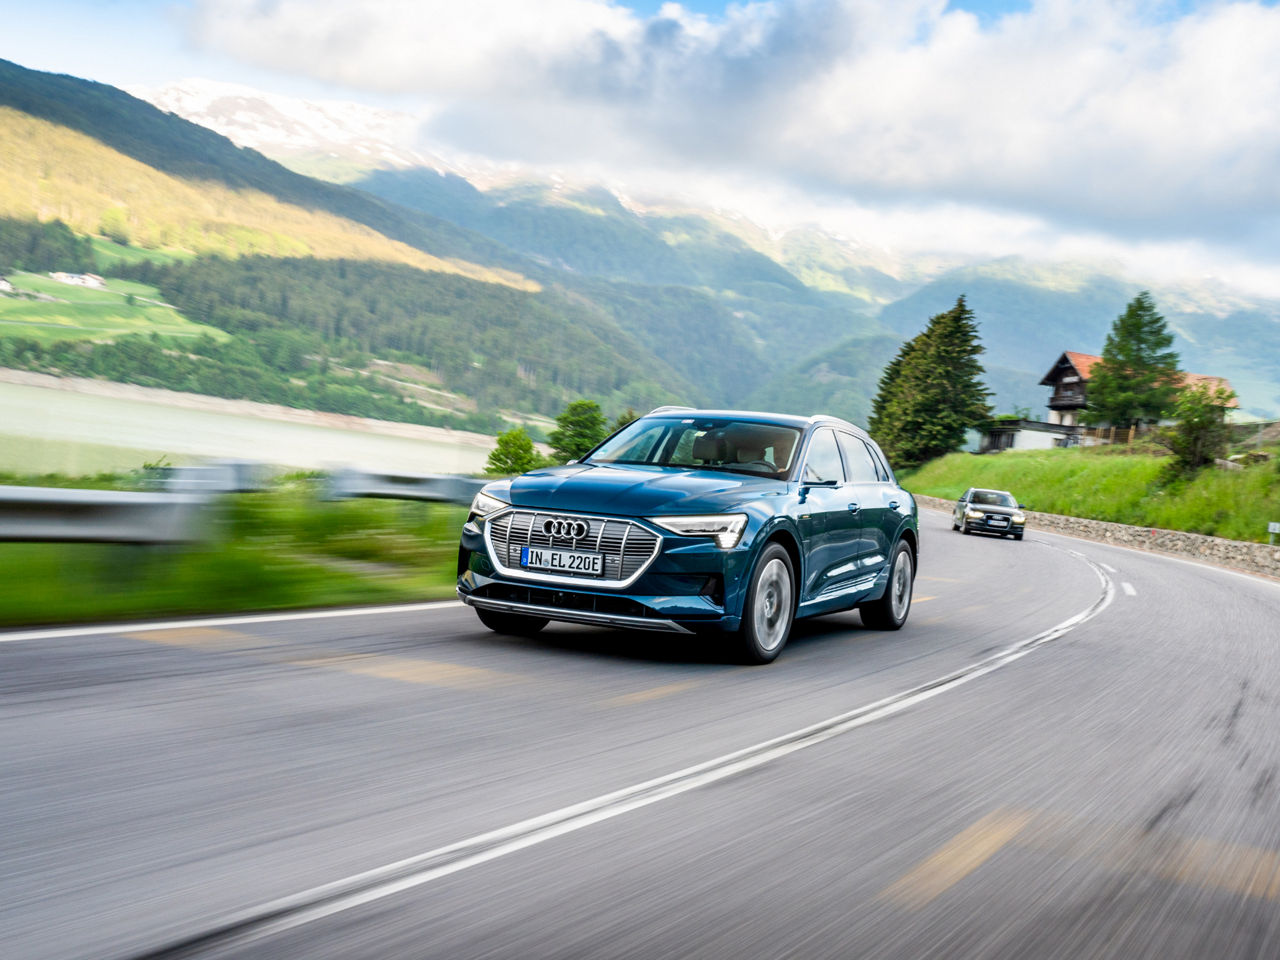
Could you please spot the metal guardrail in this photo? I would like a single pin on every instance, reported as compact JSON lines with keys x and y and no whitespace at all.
{"x":440,"y":488}
{"x":178,"y":512}
{"x":53,"y":515}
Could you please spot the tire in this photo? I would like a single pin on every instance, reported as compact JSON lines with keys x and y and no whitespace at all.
{"x":1017,"y":536}
{"x":954,"y":525}
{"x":965,"y":530}
{"x":769,"y":609}
{"x":891,"y":610}
{"x":512,"y":624}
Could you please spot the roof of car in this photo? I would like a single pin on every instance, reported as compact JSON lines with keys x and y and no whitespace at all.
{"x":785,"y":419}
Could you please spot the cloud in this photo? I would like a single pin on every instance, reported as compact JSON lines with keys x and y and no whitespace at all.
{"x":1125,"y":118}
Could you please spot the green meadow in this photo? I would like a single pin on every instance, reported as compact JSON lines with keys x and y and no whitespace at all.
{"x":1123,"y":488}
{"x":86,"y":313}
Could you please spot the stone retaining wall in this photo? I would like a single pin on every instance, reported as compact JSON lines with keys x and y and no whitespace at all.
{"x":1253,"y":557}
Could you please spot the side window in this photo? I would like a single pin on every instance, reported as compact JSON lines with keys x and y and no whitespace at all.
{"x":824,"y":458}
{"x":857,"y":460}
{"x":881,"y":463}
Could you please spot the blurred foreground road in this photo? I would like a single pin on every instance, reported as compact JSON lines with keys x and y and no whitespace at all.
{"x":1114,"y":793}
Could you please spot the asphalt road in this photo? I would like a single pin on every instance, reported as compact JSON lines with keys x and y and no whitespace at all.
{"x":1111,"y":790}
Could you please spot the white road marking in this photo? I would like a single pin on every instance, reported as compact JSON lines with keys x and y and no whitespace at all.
{"x":1107,"y":567}
{"x":58,"y":633}
{"x":291,"y":912}
{"x":1128,"y":589}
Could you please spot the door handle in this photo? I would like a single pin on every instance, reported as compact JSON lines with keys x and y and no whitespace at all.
{"x":854,"y":508}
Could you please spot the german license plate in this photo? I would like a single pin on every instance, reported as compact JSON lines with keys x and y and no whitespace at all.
{"x":562,"y":561}
{"x":998,"y":521}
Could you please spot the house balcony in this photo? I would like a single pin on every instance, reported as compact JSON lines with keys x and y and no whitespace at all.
{"x":1067,"y":400}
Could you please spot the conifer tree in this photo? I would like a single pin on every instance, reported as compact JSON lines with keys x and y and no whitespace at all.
{"x":1138,"y":377}
{"x":514,"y":454}
{"x":935,"y":393}
{"x":578,"y":429}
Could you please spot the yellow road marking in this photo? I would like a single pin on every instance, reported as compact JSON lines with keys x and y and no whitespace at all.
{"x":958,"y":858}
{"x":922,"y":599}
{"x":1211,"y":864}
{"x":404,"y":669}
{"x":433,"y":673}
{"x":201,"y":638}
{"x":653,"y":693}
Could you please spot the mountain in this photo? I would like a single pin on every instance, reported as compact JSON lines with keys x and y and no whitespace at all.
{"x":425,"y":287}
{"x":332,"y":139}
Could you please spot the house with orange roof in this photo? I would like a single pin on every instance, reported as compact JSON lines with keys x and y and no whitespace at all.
{"x":1069,"y":378}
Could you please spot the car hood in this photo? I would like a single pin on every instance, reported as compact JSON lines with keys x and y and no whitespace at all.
{"x":1006,"y":511}
{"x":633,"y":490}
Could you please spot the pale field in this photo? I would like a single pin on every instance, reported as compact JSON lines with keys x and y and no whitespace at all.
{"x":43,"y":429}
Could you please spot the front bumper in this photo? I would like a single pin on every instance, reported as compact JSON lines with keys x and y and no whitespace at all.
{"x":691,"y":586}
{"x":987,"y":525}
{"x":574,"y":616}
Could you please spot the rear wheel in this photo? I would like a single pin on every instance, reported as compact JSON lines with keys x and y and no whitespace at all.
{"x":890,"y":611}
{"x":770,"y":607}
{"x":512,"y":624}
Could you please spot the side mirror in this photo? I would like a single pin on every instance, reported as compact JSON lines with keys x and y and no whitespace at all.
{"x":1023,"y":506}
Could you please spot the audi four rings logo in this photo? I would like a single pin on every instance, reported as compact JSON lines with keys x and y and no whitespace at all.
{"x":562,"y":527}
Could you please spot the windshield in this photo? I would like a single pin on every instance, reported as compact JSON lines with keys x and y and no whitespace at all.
{"x":738,"y":446}
{"x":993,"y":498}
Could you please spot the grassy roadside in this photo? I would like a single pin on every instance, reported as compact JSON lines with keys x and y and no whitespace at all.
{"x":1123,"y":488}
{"x":283,"y":548}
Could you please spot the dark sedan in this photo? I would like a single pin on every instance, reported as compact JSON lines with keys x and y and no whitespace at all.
{"x":989,"y":511}
{"x":688,"y":521}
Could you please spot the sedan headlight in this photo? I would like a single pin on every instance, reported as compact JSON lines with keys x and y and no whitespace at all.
{"x":482,"y":504}
{"x":1019,"y":518}
{"x":726,"y":528}
{"x":972,"y":514}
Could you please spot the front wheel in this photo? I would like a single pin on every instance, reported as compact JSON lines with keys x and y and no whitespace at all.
{"x":769,"y":608}
{"x":512,"y":624}
{"x":890,"y":611}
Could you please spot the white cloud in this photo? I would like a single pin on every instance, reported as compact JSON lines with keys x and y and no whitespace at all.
{"x":1087,"y":118}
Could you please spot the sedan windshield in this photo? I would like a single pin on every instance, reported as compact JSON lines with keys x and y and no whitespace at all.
{"x":993,"y":498}
{"x":739,"y":446}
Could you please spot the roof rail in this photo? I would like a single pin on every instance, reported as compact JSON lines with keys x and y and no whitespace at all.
{"x":672,"y":408}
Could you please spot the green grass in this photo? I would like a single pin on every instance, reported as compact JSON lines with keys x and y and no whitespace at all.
{"x":109,"y":254}
{"x":279,"y":549}
{"x":42,"y":455}
{"x":85,"y":313}
{"x":1121,"y":488}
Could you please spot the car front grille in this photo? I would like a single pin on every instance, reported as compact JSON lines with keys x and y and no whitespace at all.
{"x":627,"y":547}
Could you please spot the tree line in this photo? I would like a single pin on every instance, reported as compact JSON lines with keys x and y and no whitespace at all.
{"x":932,"y":391}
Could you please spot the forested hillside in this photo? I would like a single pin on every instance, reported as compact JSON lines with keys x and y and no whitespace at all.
{"x":185,"y":151}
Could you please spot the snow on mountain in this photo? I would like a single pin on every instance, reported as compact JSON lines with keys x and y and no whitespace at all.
{"x":281,"y":126}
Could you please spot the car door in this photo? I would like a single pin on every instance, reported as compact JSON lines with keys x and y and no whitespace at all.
{"x":871,"y":494}
{"x":827,"y":523}
{"x":957,"y":515}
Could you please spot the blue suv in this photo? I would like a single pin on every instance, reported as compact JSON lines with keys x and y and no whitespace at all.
{"x":691,"y":521}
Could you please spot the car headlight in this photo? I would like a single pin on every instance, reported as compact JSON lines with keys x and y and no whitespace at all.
{"x":726,"y":528}
{"x":1019,"y":518}
{"x":482,"y":504}
{"x":972,"y":514}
